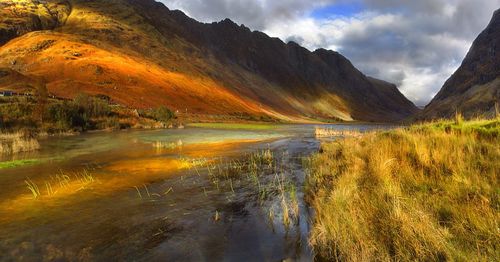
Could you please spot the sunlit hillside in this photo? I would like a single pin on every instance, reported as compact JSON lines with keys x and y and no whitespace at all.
{"x":121,"y":49}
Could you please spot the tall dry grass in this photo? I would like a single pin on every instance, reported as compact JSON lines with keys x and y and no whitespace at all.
{"x":428,"y":193}
{"x":13,"y":143}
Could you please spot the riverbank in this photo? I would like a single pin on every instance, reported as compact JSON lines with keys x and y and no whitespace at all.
{"x":426,"y":192}
{"x":25,"y":119}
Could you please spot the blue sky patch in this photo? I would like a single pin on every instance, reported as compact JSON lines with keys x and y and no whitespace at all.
{"x":341,"y":9}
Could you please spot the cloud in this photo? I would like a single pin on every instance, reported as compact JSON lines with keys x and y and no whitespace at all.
{"x":257,"y":14}
{"x":414,"y":44}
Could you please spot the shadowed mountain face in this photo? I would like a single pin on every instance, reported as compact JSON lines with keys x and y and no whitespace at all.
{"x":142,"y":54}
{"x":474,"y":88}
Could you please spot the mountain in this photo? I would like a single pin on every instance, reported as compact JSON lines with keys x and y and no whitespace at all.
{"x":141,"y":54}
{"x":474,"y":88}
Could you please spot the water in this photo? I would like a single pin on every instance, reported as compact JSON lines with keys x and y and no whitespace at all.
{"x":115,"y":196}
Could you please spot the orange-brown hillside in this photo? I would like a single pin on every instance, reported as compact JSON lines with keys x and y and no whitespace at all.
{"x":142,"y":55}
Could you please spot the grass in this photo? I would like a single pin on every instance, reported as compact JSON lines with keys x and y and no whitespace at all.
{"x":332,"y":132}
{"x":33,"y":188}
{"x":167,"y":145}
{"x":265,"y":176}
{"x":62,"y":183}
{"x":235,"y":126}
{"x":428,"y":192}
{"x":18,"y":142}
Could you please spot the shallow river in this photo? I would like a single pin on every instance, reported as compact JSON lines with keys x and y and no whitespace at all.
{"x":165,"y":195}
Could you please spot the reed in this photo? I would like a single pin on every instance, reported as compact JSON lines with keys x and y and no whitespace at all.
{"x":62,"y":182}
{"x":13,"y":143}
{"x":255,"y":170}
{"x":216,"y":216}
{"x":333,"y":132}
{"x":33,"y":188}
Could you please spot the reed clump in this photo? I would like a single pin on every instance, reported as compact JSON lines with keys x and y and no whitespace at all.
{"x":18,"y":142}
{"x":167,"y":145}
{"x":62,"y":183}
{"x":428,"y":192}
{"x":333,"y":132}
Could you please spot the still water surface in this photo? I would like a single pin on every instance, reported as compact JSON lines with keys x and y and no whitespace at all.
{"x":151,"y":196}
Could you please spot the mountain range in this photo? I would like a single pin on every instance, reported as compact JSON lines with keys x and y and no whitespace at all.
{"x":142,"y":54}
{"x":474,"y":89}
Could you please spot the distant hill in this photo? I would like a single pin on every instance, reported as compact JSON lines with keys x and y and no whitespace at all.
{"x":474,"y":88}
{"x":141,"y":54}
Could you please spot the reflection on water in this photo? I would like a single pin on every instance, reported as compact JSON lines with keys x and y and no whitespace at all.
{"x":189,"y":195}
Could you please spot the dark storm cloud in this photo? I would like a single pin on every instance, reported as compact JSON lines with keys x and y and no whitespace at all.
{"x":414,"y":44}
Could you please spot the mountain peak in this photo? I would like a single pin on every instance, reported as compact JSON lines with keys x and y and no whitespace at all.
{"x":228,"y":21}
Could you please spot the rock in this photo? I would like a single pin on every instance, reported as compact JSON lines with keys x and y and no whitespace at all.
{"x":40,"y":46}
{"x":4,"y":73}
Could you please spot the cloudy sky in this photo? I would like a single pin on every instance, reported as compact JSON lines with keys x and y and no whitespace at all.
{"x":416,"y":44}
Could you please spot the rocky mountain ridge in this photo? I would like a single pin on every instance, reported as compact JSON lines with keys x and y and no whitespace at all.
{"x":474,"y":89}
{"x":141,"y":54}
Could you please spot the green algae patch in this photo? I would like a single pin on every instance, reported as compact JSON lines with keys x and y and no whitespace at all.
{"x":19,"y":163}
{"x":235,"y":126}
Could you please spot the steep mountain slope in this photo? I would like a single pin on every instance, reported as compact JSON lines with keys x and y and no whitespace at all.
{"x":474,"y":88}
{"x":142,"y":54}
{"x":20,"y":17}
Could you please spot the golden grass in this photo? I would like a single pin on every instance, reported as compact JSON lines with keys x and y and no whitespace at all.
{"x":428,"y":192}
{"x":12,"y":143}
{"x":332,"y":132}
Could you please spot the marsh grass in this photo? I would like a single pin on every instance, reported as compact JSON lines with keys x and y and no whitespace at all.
{"x":61,"y":183}
{"x":33,"y":188}
{"x":264,"y":174}
{"x":428,"y":192}
{"x":167,"y":145}
{"x":333,"y":132}
{"x":18,"y":142}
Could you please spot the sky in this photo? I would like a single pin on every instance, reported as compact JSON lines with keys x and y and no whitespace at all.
{"x":415,"y":44}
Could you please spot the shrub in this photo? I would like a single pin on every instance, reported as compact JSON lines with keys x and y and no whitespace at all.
{"x":78,"y":113}
{"x":67,"y":115}
{"x":16,"y":110}
{"x":161,"y":114}
{"x":92,"y":106}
